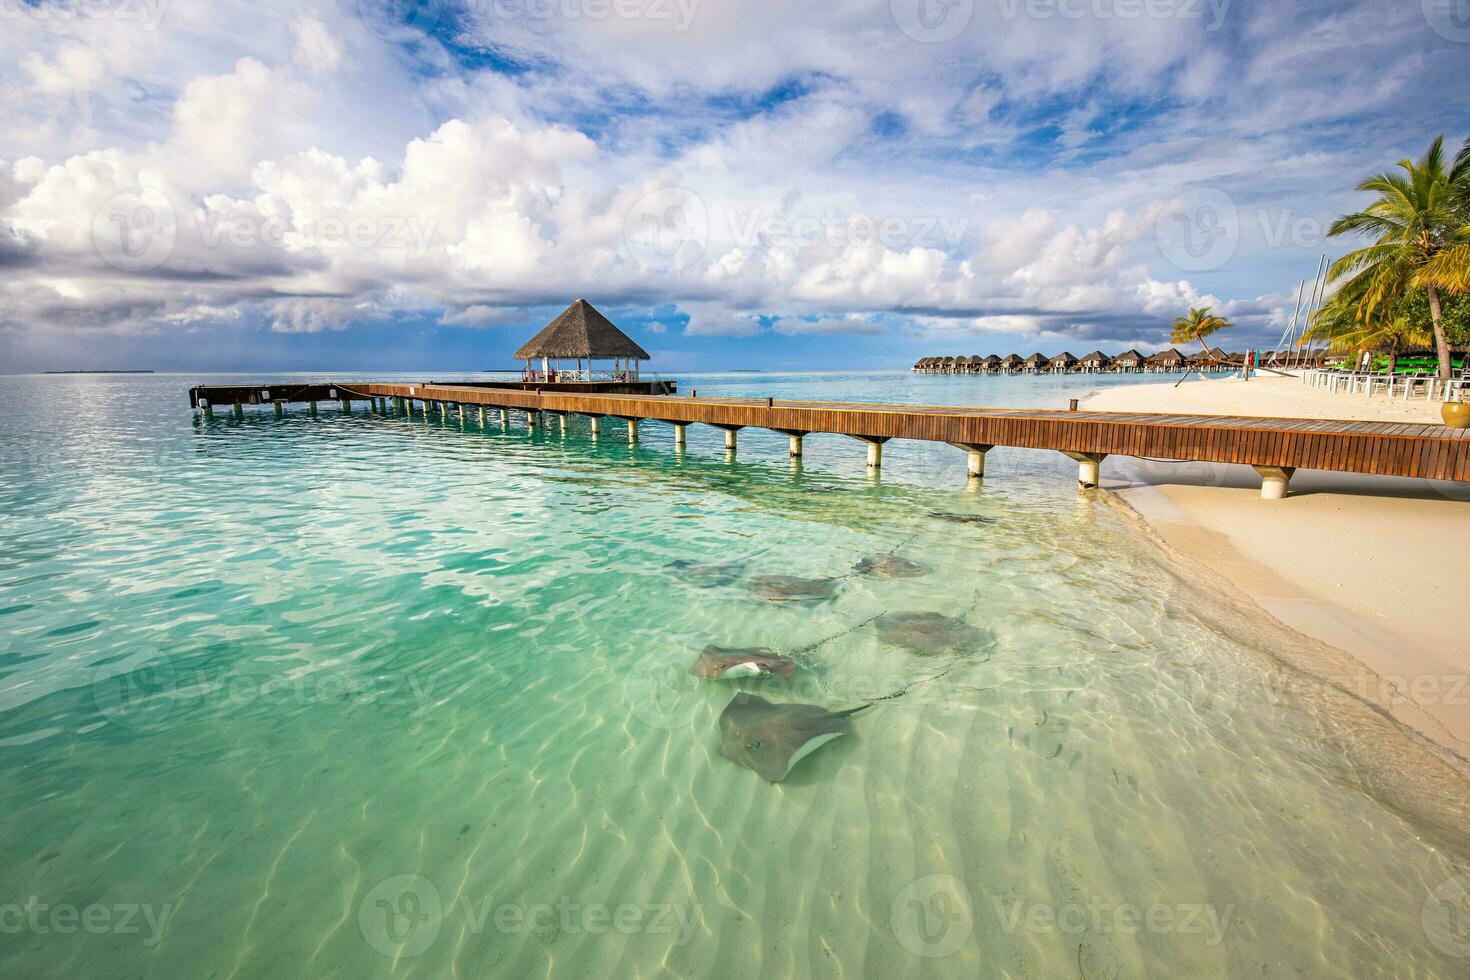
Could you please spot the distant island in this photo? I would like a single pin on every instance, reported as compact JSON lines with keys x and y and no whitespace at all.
{"x":100,"y":372}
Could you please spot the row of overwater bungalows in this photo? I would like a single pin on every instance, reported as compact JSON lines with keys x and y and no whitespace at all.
{"x":1128,"y":362}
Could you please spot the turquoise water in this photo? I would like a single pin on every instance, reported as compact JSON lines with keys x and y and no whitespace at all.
{"x":357,"y":696}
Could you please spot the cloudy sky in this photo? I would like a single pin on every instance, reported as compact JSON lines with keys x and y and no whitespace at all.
{"x":192,"y":185}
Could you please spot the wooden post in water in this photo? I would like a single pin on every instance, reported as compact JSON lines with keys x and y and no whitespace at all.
{"x":280,"y":409}
{"x":632,"y":430}
{"x":239,"y":410}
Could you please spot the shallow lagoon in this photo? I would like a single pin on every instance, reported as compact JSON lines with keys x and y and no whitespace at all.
{"x":357,"y":696}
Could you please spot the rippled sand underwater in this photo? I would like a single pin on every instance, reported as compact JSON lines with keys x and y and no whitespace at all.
{"x":353,"y":696}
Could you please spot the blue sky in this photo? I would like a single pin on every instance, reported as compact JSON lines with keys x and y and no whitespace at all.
{"x":373,"y":186}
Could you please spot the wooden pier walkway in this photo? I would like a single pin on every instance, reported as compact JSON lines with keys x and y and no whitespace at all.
{"x":1275,"y":447}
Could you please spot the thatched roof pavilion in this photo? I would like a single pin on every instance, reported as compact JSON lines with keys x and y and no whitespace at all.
{"x":583,"y":334}
{"x":1168,"y":360}
{"x":1035,"y":362}
{"x":992,"y":362}
{"x":1096,"y":361}
{"x":1011,"y":362}
{"x":976,"y":364}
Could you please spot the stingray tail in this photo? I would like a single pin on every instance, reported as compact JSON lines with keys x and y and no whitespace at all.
{"x":852,"y":711}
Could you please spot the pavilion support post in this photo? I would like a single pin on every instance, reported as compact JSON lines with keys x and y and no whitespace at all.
{"x":280,"y":409}
{"x":311,"y":407}
{"x":1089,"y":468}
{"x":975,"y":468}
{"x":208,"y":409}
{"x":239,"y":410}
{"x":632,"y":431}
{"x":1274,"y":481}
{"x":345,"y":404}
{"x":596,"y":421}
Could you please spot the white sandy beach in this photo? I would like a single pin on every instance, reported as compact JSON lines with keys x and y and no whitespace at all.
{"x":1370,"y":566}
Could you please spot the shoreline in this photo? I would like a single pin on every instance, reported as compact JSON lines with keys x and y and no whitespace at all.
{"x":1353,"y":564}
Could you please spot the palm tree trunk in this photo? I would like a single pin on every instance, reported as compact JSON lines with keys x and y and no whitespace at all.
{"x":1393,"y":360}
{"x":1440,"y":343}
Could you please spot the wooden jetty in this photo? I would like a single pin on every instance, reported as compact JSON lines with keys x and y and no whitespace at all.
{"x":1275,"y":447}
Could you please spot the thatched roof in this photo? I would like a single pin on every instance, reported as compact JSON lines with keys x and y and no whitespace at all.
{"x":1011,"y":360}
{"x":1063,"y":359}
{"x":1096,"y":357}
{"x":1036,"y":359}
{"x":1129,"y":357}
{"x":992,"y":359}
{"x":1170,"y":356}
{"x":581,"y":331}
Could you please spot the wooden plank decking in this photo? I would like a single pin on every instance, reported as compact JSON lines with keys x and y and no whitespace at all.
{"x":1383,"y":448}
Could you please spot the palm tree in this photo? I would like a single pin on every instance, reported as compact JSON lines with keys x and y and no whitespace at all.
{"x":1414,"y":219}
{"x":1197,"y":325}
{"x":1449,"y":271}
{"x":1337,"y":324}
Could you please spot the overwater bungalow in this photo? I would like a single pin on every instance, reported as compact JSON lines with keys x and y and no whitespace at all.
{"x":992,"y":363}
{"x":582,"y":335}
{"x":1169,"y":360}
{"x":1011,"y":364}
{"x":975,"y":365}
{"x":1095,"y":362}
{"x":1034,"y":364}
{"x":1130,"y":361}
{"x":1062,"y":363}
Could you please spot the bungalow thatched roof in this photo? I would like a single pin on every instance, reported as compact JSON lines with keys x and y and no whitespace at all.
{"x":1036,"y":360}
{"x":581,"y":331}
{"x":1011,"y":360}
{"x":992,"y":359}
{"x":1064,"y":359}
{"x":1096,"y":357}
{"x":1129,"y":357}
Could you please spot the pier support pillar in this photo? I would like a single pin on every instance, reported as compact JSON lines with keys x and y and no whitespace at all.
{"x":1089,"y":468}
{"x":730,"y":440}
{"x":311,"y":407}
{"x":239,"y":410}
{"x":875,"y":450}
{"x":504,"y":417}
{"x":461,"y":411}
{"x":346,"y":405}
{"x":632,"y":431}
{"x":975,"y":451}
{"x":208,"y":409}
{"x":795,"y":445}
{"x":482,"y":416}
{"x":562,"y":422}
{"x":680,"y":434}
{"x":280,"y":409}
{"x":1274,"y":481}
{"x":596,"y":421}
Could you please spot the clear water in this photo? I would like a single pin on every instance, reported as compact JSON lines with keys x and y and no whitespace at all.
{"x":355,"y":696}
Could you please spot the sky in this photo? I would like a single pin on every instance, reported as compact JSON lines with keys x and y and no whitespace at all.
{"x":774,"y":184}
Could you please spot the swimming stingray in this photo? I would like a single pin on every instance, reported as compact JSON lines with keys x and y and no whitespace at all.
{"x":887,"y":566}
{"x":723,"y":663}
{"x":790,"y":588}
{"x":963,"y":518}
{"x":707,"y":575}
{"x":769,"y":739}
{"x":927,"y":632}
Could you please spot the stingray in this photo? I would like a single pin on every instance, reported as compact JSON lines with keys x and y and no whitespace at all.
{"x":790,"y":588}
{"x":707,"y":575}
{"x":927,"y":632}
{"x":887,"y":566}
{"x":769,"y":739}
{"x":723,"y":663}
